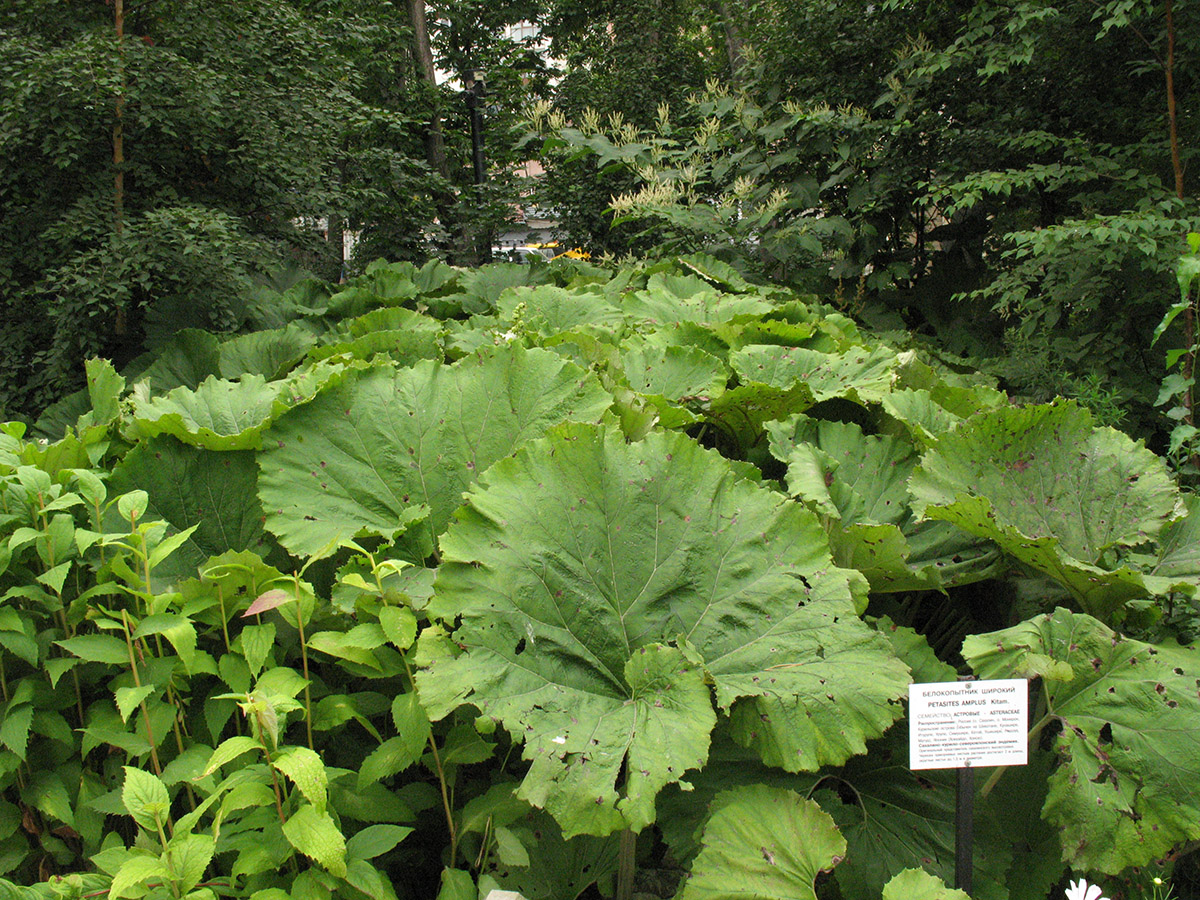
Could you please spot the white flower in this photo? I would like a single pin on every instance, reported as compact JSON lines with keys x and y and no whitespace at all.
{"x":1081,"y":890}
{"x":559,"y":740}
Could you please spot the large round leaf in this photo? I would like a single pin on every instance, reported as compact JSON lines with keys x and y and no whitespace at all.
{"x":366,"y":456}
{"x":217,"y":415}
{"x":860,"y":374}
{"x":215,"y":491}
{"x":266,"y":353}
{"x":764,"y":843}
{"x":669,"y":299}
{"x":600,"y":587}
{"x":548,"y":310}
{"x":1128,"y":785}
{"x":860,"y":482}
{"x":1053,"y":491}
{"x":917,"y":884}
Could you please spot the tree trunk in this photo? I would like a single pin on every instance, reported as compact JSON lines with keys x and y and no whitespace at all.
{"x":1189,"y":318}
{"x":734,"y":43}
{"x":1176,"y":162}
{"x":435,"y":145}
{"x":118,"y":144}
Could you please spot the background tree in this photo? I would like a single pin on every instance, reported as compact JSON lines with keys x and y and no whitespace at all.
{"x":912,"y":155}
{"x":157,"y":169}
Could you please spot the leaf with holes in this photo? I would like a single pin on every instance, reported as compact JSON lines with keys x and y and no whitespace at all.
{"x":670,"y":378}
{"x":763,"y":843}
{"x":1054,"y":492}
{"x":1127,"y":788}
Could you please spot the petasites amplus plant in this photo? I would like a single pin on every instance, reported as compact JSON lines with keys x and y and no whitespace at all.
{"x":648,"y":581}
{"x":448,"y":581}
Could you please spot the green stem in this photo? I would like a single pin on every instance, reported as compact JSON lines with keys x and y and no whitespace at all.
{"x":484,"y":845}
{"x":1000,"y":770}
{"x":137,"y":681}
{"x":96,"y":526}
{"x":275,"y":784}
{"x":447,"y":807}
{"x":224,"y":616}
{"x":179,"y":740}
{"x":304,"y":662}
{"x":67,"y":632}
{"x":162,"y":837}
{"x":145,"y":555}
{"x":4,"y":690}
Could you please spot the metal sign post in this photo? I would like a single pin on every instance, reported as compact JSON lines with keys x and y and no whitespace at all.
{"x":964,"y":830}
{"x":963,"y":725}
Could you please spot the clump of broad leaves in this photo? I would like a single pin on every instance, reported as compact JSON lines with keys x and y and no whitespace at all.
{"x":562,"y":579}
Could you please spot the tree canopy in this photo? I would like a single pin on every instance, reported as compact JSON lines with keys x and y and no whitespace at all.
{"x":1007,"y":179}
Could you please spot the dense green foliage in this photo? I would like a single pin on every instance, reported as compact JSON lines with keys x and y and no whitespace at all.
{"x":1002,"y":176}
{"x":413,"y":579}
{"x":160,"y":167}
{"x":513,"y":577}
{"x":1007,"y":179}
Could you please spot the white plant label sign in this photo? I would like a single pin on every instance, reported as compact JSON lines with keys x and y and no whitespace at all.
{"x":968,"y":724}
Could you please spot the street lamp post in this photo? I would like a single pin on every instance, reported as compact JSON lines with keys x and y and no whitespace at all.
{"x":476,"y":89}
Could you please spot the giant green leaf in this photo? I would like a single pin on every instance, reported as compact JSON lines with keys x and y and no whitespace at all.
{"x":717,"y":271}
{"x":928,"y":413}
{"x":1179,"y":549}
{"x":488,"y":283}
{"x":595,"y":618}
{"x":1053,"y":491}
{"x":401,"y":334}
{"x":673,"y":373}
{"x":672,"y":378}
{"x":404,"y":346}
{"x":548,"y":310}
{"x":217,"y":415}
{"x":191,"y":486}
{"x":266,"y":353}
{"x":1127,"y":787}
{"x":739,"y":414}
{"x":669,"y":299}
{"x":189,"y":357}
{"x":763,"y":843}
{"x":861,"y":374}
{"x":375,"y":453}
{"x":104,"y":387}
{"x":860,"y":483}
{"x":390,"y":318}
